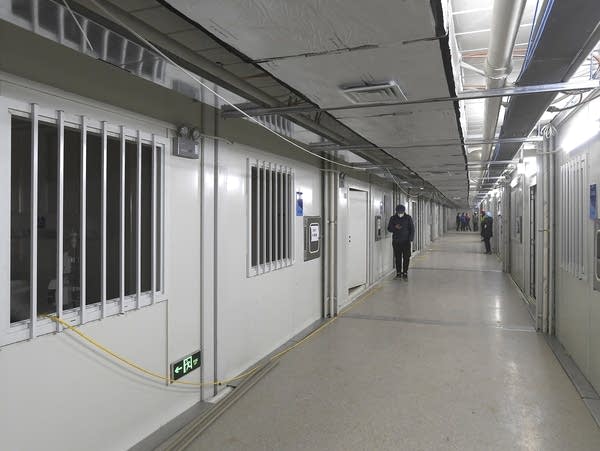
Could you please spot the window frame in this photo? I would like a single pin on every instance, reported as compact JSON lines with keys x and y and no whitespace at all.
{"x":573,"y":192}
{"x":51,"y":108}
{"x":267,"y":234}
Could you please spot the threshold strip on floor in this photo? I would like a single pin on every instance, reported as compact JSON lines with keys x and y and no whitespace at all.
{"x":425,"y":268}
{"x":435,"y":322}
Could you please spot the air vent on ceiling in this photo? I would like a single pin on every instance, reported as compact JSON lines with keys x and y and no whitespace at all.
{"x":380,"y":92}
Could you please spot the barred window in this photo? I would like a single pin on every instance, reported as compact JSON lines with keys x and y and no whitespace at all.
{"x":86,"y":220}
{"x":573,"y":178}
{"x":270,"y":204}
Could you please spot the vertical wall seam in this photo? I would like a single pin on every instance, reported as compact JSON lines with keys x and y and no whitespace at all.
{"x":216,"y":240}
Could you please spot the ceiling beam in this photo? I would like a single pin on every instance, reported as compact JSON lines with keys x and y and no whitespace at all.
{"x":474,"y":142}
{"x":585,"y":85}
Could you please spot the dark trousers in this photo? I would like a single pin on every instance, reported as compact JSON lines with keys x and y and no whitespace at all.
{"x":488,"y":247}
{"x":401,"y":255}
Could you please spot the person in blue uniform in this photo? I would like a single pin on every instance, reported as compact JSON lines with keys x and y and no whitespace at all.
{"x":403,"y":233}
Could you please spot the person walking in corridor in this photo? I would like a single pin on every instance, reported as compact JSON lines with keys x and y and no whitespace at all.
{"x":487,"y":225}
{"x":457,"y":221}
{"x":468,"y":221}
{"x":403,"y":229}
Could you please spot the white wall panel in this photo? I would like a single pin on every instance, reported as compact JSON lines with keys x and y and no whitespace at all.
{"x":577,"y":304}
{"x":257,"y":314}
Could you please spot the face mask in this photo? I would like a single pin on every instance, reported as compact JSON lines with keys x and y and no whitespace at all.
{"x":400,"y":215}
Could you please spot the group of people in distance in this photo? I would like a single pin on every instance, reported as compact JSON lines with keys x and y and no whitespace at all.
{"x":463,"y":222}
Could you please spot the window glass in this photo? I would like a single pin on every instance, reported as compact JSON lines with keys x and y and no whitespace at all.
{"x":254,"y":215}
{"x":146,"y":229}
{"x":72,"y":220}
{"x":47,"y":218}
{"x":48,"y":16}
{"x":93,"y":223}
{"x":22,"y":9}
{"x":113,"y":214}
{"x":20,"y":219}
{"x":130,"y":216}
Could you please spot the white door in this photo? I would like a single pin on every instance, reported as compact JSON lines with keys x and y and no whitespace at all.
{"x":357,"y":238}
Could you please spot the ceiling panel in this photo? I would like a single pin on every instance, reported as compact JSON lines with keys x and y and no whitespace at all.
{"x":165,"y":23}
{"x":348,"y":44}
{"x":266,"y":28}
{"x":417,"y":68}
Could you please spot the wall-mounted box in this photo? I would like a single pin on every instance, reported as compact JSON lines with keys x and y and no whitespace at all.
{"x":378,"y":228}
{"x":186,"y":148}
{"x":312,"y":237}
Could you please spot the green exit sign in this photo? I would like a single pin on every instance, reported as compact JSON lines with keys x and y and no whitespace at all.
{"x":185,"y":366}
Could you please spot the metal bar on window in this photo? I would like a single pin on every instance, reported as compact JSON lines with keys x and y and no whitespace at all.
{"x":140,"y":61}
{"x":571,"y":218}
{"x":249,"y":218}
{"x":291,"y":237}
{"x":122,"y":222}
{"x":104,"y":49}
{"x":35,"y":15}
{"x":161,"y":218}
{"x":59,"y":217}
{"x":258,"y":235}
{"x":83,"y":220}
{"x":263,"y":190}
{"x":103,"y":207}
{"x":577,"y":238}
{"x":288,"y":212}
{"x":291,"y":213}
{"x":582,"y":182}
{"x":33,"y":223}
{"x":281,"y":211}
{"x":269,"y":223}
{"x":83,"y":43}
{"x":562,"y":217}
{"x":276,"y":211}
{"x":138,"y":220}
{"x":154,"y":155}
{"x":61,"y":26}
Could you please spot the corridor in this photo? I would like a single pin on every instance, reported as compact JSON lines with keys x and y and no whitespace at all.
{"x":448,"y":360}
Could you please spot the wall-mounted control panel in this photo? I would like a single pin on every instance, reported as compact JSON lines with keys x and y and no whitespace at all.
{"x":378,"y":228}
{"x":312,"y":237}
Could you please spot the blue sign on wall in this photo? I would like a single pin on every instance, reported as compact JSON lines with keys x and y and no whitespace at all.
{"x":299,"y":204}
{"x":593,"y":202}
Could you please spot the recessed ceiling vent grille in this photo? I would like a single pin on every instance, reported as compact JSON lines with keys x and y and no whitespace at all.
{"x":380,"y":92}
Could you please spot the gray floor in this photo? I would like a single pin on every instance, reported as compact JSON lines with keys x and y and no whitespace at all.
{"x":448,"y":360}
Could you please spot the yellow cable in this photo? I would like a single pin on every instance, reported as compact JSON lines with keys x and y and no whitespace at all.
{"x":221,"y":382}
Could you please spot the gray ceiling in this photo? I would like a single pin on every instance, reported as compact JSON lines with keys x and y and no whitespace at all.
{"x":316,"y":47}
{"x":296,"y":51}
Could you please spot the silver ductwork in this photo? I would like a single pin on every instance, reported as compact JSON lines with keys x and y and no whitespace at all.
{"x":506,"y":20}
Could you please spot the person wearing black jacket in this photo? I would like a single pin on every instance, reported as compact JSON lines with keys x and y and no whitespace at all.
{"x":403,"y":233}
{"x":487,"y":226}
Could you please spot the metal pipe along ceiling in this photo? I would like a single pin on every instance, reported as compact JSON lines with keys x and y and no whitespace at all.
{"x":506,"y":19}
